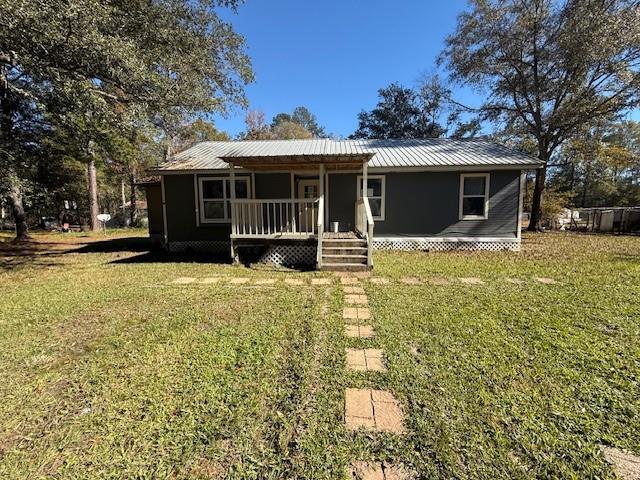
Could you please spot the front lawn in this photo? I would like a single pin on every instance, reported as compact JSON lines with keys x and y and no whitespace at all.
{"x":111,"y":369}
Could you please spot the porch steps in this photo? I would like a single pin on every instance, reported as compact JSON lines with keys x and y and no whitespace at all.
{"x":344,"y":254}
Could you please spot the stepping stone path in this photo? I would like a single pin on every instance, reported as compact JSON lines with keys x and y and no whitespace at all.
{"x":320,"y":281}
{"x":365,"y":359}
{"x":410,"y":280}
{"x":515,"y":281}
{"x":349,"y":280}
{"x":356,"y":313}
{"x":471,"y":281}
{"x":209,"y":280}
{"x":378,"y":471}
{"x":238,"y":280}
{"x":184,"y":280}
{"x":359,"y":331}
{"x":265,"y":281}
{"x":354,"y":290}
{"x":625,"y":464}
{"x":293,"y":281}
{"x":373,"y":410}
{"x":379,"y":280}
{"x":545,"y":280}
{"x":439,"y":281}
{"x":356,"y":299}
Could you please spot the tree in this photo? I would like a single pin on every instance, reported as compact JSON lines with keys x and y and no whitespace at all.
{"x":599,"y":167}
{"x":307,"y":120}
{"x":195,"y":132}
{"x":299,"y":124}
{"x":289,"y":130}
{"x":257,"y":128}
{"x":159,"y":60}
{"x":279,"y":119}
{"x":549,"y":68}
{"x":404,"y":113}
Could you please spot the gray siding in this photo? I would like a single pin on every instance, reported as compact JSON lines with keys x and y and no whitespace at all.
{"x":273,"y":185}
{"x":418,"y":204}
{"x":181,"y":213}
{"x":342,"y":199}
{"x":426,"y":204}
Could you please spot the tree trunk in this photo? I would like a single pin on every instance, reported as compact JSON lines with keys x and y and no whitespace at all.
{"x":17,"y":209}
{"x":133,"y":211}
{"x":536,"y":202}
{"x":92,"y":187}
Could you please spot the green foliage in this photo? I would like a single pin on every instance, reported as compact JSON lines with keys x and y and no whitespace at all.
{"x":80,"y":73}
{"x":426,"y":112}
{"x":601,"y":167}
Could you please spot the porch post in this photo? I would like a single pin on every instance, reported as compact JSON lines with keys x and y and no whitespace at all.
{"x":320,"y":216}
{"x":365,"y":182}
{"x":232,"y":186}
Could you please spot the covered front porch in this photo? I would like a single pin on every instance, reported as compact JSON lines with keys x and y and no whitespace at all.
{"x":303,"y":218}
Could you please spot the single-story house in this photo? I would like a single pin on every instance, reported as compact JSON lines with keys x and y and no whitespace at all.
{"x":331,"y":202}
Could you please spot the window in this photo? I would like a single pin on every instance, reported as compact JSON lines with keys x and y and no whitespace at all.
{"x":474,"y":196}
{"x":215,"y":193}
{"x":375,"y":193}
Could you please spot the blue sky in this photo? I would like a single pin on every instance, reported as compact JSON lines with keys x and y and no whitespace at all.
{"x":332,"y":56}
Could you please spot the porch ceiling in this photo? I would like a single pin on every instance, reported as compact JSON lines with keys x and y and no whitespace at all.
{"x":300,"y":162}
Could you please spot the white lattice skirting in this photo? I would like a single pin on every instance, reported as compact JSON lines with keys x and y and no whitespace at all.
{"x":211,"y":246}
{"x":289,"y":255}
{"x":447,"y":244}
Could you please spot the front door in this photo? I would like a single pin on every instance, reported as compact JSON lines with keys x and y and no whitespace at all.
{"x":308,"y":189}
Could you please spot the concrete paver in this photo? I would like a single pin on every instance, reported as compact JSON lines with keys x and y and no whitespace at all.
{"x":361,"y":470}
{"x":358,"y":331}
{"x":625,"y":464}
{"x":353,"y":290}
{"x":238,"y":280}
{"x":184,"y":280}
{"x":379,"y":280}
{"x":365,"y":359}
{"x":545,"y":280}
{"x":471,"y":281}
{"x":209,"y":280}
{"x":364,"y":407}
{"x":356,"y":313}
{"x":349,"y":281}
{"x":320,"y":281}
{"x":356,"y":299}
{"x":294,"y":281}
{"x":410,"y":280}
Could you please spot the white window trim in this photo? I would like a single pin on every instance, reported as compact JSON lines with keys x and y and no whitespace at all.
{"x":382,"y":197}
{"x":461,"y":216}
{"x":225,"y":198}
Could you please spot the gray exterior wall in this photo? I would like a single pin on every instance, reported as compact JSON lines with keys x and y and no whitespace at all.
{"x":273,"y":185}
{"x":426,"y":204}
{"x":417,"y":204}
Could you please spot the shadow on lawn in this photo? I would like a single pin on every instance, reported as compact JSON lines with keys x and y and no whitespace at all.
{"x":160,"y":256}
{"x":49,"y":254}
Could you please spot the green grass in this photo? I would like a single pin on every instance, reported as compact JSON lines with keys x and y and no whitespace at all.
{"x":111,"y":371}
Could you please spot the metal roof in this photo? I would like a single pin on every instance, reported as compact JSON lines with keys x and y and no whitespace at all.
{"x":396,"y":153}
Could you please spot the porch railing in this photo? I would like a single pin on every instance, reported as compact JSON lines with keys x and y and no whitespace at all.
{"x":274,"y":218}
{"x":364,"y":225}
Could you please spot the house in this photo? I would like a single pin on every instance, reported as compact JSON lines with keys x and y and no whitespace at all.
{"x":303,"y":201}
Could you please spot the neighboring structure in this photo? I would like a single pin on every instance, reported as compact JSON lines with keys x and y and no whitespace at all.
{"x":290,"y":200}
